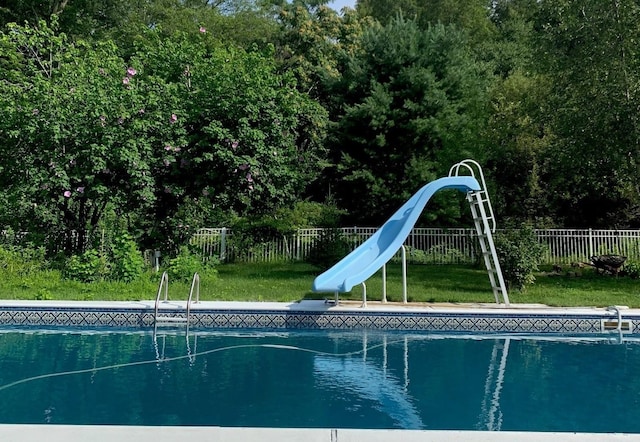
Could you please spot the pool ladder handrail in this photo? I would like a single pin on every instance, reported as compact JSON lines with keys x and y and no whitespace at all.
{"x":164,"y":284}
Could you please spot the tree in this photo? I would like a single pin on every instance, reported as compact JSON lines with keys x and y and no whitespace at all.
{"x":518,"y":138}
{"x":313,"y":40}
{"x":470,"y":16}
{"x":589,"y":50}
{"x":253,"y":140}
{"x":243,"y":22}
{"x":409,"y":105}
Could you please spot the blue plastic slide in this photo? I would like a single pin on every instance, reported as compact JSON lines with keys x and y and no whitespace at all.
{"x":370,"y":256}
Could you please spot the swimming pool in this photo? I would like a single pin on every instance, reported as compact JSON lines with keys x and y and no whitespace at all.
{"x":319,"y":379}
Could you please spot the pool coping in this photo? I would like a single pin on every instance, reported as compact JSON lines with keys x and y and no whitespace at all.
{"x":108,"y":433}
{"x":311,"y":314}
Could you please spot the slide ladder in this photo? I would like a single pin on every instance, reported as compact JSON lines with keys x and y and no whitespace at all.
{"x":163,"y":288}
{"x":485,"y":224}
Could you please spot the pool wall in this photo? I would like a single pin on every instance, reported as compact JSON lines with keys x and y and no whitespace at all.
{"x":318,"y":315}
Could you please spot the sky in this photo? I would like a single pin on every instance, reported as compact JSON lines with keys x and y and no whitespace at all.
{"x":339,"y":4}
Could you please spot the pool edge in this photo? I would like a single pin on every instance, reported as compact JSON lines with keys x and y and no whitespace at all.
{"x":95,"y":433}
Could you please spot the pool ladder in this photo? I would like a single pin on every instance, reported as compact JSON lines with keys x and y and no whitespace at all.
{"x":163,"y":287}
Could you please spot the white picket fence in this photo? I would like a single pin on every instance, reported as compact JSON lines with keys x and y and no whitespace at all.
{"x":426,"y":245}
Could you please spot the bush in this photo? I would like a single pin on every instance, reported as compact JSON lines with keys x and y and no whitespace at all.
{"x":519,"y":253}
{"x":186,"y":263}
{"x":90,"y":266}
{"x":127,"y":263}
{"x":21,"y":261}
{"x":251,"y":234}
{"x":632,"y":270}
{"x":330,"y":247}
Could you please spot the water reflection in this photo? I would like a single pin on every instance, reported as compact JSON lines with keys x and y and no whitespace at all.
{"x":369,"y":381}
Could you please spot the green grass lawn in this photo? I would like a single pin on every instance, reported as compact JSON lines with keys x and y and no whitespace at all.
{"x":292,"y":282}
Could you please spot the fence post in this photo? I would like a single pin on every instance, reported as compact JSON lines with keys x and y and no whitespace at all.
{"x":590,"y":243}
{"x":223,"y":244}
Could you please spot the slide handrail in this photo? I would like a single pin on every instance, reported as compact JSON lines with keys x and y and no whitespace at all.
{"x":468,"y":163}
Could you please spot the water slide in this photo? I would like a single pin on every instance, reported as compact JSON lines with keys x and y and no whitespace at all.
{"x":370,"y":256}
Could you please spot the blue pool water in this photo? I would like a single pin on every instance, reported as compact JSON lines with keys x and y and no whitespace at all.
{"x":331,"y":379}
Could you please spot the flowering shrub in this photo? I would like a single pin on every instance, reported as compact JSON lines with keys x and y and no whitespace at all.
{"x":87,"y":132}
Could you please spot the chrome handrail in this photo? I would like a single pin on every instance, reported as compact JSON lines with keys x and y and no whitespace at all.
{"x":195,"y":284}
{"x":164,"y":282}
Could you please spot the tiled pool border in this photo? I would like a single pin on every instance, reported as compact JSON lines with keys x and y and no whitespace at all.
{"x":318,"y":315}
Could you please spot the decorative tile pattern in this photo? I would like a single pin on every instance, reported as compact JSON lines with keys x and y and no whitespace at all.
{"x":463,"y":322}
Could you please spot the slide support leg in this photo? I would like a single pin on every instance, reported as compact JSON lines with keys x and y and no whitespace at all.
{"x":404,"y":275}
{"x":364,"y":295}
{"x":384,"y":284}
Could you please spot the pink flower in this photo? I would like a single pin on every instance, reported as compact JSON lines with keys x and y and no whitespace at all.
{"x":141,"y":111}
{"x":80,"y":189}
{"x":250,"y":187}
{"x":202,"y":29}
{"x":166,"y":163}
{"x":249,"y":178}
{"x":234,"y":144}
{"x":167,"y":147}
{"x":177,"y":149}
{"x":35,"y":112}
{"x":125,"y":80}
{"x":173,"y":118}
{"x":243,"y":166}
{"x":131,"y":72}
{"x":205,"y":192}
{"x":67,"y":194}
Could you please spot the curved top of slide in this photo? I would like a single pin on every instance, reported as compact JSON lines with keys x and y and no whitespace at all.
{"x":371,"y":255}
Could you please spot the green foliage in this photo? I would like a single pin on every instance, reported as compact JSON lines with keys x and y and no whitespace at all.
{"x":471,"y":15}
{"x":518,"y":142}
{"x":520,"y":253}
{"x":330,"y":247}
{"x":409,"y":104}
{"x":305,"y":214}
{"x":435,"y":255}
{"x":589,"y":51}
{"x":251,"y":234}
{"x":183,"y":119}
{"x":313,"y":42}
{"x":127,"y":263}
{"x":84,"y":130}
{"x":43,"y":295}
{"x":90,"y":266}
{"x":186,"y":263}
{"x":21,"y":261}
{"x":632,"y":270}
